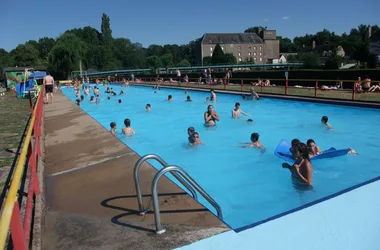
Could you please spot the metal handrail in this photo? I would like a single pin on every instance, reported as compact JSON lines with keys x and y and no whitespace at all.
{"x":172,"y":169}
{"x":142,"y":210}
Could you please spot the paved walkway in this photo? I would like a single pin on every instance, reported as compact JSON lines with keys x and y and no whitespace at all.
{"x":90,"y":195}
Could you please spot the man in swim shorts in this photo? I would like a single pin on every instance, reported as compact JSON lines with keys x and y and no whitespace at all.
{"x":48,"y":83}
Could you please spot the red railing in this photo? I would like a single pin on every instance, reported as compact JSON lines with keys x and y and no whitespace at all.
{"x":348,"y":90}
{"x":31,"y":151}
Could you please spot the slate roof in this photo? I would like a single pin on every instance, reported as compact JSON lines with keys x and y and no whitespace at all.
{"x":231,"y":38}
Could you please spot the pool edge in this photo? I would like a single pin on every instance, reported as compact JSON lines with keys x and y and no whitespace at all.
{"x":363,"y":104}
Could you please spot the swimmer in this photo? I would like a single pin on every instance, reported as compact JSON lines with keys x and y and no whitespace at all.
{"x":352,"y":152}
{"x":81,"y":98}
{"x":244,"y":97}
{"x":77,"y":102}
{"x":92,"y":99}
{"x":128,"y":130}
{"x":186,"y":92}
{"x":313,"y":149}
{"x":294,"y":143}
{"x":108,"y":90}
{"x":207,"y":99}
{"x":249,"y":120}
{"x":121,"y":92}
{"x":113,"y":127}
{"x":147,"y":107}
{"x":237,"y":111}
{"x":188,"y":99}
{"x":211,"y":116}
{"x":194,"y":139}
{"x":254,"y":143}
{"x":302,"y":169}
{"x":325,"y":120}
{"x":170,"y":98}
{"x":213,"y":95}
{"x":119,"y":101}
{"x":254,"y":95}
{"x":108,"y":98}
{"x":190,"y":132}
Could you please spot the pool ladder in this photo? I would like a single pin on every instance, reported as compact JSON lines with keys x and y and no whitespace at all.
{"x":181,"y":176}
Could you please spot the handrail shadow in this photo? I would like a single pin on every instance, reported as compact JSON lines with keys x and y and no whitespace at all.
{"x":129,"y":211}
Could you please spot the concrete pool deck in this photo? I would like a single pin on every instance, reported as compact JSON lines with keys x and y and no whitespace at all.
{"x":90,"y":198}
{"x":349,"y":221}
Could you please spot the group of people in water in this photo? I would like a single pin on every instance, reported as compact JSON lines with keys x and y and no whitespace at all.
{"x":301,"y":152}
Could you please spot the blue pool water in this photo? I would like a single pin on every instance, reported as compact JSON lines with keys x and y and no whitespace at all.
{"x":249,"y":186}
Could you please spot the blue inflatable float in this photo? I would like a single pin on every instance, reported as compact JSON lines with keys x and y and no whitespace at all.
{"x":283,"y":151}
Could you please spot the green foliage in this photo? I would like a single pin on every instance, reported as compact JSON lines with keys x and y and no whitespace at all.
{"x":5,"y":59}
{"x":184,"y":63}
{"x":229,"y":58}
{"x":25,"y":55}
{"x":311,"y":60}
{"x":106,"y":29}
{"x":218,"y":55}
{"x":333,"y":61}
{"x":207,"y":60}
{"x":154,"y":62}
{"x":255,"y":29}
{"x":66,"y":53}
{"x":167,"y":60}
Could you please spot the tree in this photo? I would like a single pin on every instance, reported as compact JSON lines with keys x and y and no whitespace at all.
{"x":255,"y":29}
{"x":122,"y":48}
{"x":6,"y":59}
{"x":311,"y":60}
{"x":229,"y":58}
{"x":154,"y":62}
{"x":25,"y":55}
{"x":167,"y":60}
{"x":184,"y":63}
{"x":333,"y":61}
{"x":286,"y":45}
{"x":207,"y":60}
{"x":249,"y":60}
{"x":66,"y":54}
{"x":106,"y":29}
{"x":218,"y":55}
{"x":45,"y":44}
{"x":155,"y":50}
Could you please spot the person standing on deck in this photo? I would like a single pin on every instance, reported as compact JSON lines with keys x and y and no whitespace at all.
{"x":48,"y":83}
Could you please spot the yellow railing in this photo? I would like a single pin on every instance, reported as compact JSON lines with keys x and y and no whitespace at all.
{"x":9,"y":204}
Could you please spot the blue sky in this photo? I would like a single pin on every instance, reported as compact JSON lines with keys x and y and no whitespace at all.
{"x":168,"y":22}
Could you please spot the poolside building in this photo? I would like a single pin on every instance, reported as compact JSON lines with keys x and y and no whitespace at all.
{"x":262,"y":48}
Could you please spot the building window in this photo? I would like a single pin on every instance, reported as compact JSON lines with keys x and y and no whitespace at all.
{"x":254,"y":53}
{"x":254,"y":47}
{"x":261,"y":54}
{"x":261,"y":48}
{"x":239,"y":47}
{"x":211,"y":54}
{"x":249,"y":53}
{"x":239,"y":59}
{"x":255,"y":59}
{"x":222,"y":48}
{"x":249,"y":47}
{"x":239,"y":54}
{"x":210,"y":48}
{"x":261,"y":59}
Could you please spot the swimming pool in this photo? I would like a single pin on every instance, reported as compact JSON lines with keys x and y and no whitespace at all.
{"x":249,"y":186}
